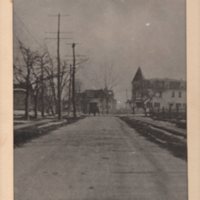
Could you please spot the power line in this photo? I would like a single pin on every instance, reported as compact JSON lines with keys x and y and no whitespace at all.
{"x":48,"y":38}
{"x":63,"y":32}
{"x":27,"y":30}
{"x":56,"y":15}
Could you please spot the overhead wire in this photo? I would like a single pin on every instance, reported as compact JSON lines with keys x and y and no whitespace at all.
{"x":27,"y":30}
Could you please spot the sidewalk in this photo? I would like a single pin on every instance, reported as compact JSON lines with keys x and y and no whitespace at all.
{"x":43,"y":122}
{"x":20,"y":124}
{"x":27,"y":130}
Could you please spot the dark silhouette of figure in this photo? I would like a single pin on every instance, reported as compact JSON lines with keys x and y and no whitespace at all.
{"x":94,"y":109}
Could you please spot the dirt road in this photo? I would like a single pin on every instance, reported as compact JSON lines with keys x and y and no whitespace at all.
{"x":97,"y":158}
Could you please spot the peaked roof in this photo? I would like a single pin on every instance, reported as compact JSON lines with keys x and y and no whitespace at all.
{"x":138,"y":75}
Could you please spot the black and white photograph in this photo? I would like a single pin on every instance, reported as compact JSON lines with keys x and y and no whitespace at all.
{"x":100,"y":100}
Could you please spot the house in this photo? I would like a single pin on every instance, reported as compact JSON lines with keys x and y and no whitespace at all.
{"x":158,"y":94}
{"x":19,"y":97}
{"x":170,"y":96}
{"x":138,"y":92}
{"x":101,"y":100}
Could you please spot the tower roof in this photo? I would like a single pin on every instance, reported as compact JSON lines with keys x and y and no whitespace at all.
{"x":138,"y":75}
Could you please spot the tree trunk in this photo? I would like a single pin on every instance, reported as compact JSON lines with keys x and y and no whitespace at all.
{"x":50,"y":105}
{"x":27,"y":98}
{"x":69,"y":97}
{"x":27,"y":105}
{"x":53,"y":93}
{"x":107,"y":102}
{"x":42,"y":93}
{"x":52,"y":110}
{"x":36,"y":105}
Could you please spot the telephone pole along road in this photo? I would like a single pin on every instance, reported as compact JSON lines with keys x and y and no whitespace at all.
{"x":97,"y":158}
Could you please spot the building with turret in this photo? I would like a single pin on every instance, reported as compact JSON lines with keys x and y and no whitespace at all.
{"x":158,"y":94}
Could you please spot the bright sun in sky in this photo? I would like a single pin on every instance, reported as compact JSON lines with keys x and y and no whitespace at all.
{"x":148,"y":24}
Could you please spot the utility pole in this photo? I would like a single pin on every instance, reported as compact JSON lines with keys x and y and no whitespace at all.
{"x":107,"y":99}
{"x":59,"y":103}
{"x":70,"y":86}
{"x":73,"y":80}
{"x":126,"y":103}
{"x":58,"y":70}
{"x":27,"y":98}
{"x":42,"y":92}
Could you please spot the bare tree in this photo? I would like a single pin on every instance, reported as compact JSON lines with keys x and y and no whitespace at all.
{"x":51,"y":77}
{"x":43,"y":62}
{"x":24,"y":73}
{"x":38,"y":75}
{"x":111,"y":80}
{"x":51,"y":85}
{"x":108,"y":80}
{"x":64,"y":75}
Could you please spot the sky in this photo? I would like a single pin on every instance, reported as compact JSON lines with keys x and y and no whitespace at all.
{"x":114,"y":34}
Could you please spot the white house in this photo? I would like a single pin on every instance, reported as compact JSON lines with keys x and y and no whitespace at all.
{"x":158,"y":94}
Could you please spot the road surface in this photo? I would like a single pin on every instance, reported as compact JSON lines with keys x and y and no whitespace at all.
{"x":97,"y":158}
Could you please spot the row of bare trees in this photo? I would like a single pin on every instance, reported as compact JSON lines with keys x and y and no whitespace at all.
{"x":37,"y":72}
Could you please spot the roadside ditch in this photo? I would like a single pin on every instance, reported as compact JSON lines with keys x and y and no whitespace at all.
{"x":173,"y":141}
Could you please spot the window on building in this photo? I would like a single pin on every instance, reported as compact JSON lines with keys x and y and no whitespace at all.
{"x":173,"y":94}
{"x":178,"y":105}
{"x":160,"y":94}
{"x":180,"y":94}
{"x":148,"y":104}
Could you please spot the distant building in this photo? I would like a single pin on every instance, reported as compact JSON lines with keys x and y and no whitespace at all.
{"x":139,"y":95}
{"x":101,"y":100}
{"x":158,"y":94}
{"x":19,"y":97}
